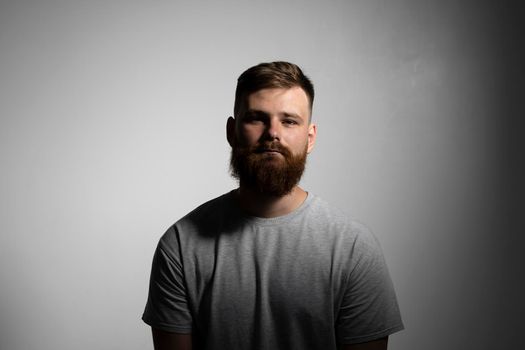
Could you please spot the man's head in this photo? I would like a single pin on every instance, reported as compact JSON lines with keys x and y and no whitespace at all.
{"x":271,"y":133}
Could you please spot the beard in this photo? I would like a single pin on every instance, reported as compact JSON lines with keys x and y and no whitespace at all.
{"x":270,"y":174}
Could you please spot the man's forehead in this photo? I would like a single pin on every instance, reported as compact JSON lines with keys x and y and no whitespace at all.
{"x":294,"y":99}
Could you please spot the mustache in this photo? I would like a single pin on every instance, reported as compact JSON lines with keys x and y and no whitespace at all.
{"x":274,"y":146}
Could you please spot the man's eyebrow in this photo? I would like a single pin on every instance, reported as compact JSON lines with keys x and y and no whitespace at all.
{"x":255,"y":112}
{"x":291,"y":115}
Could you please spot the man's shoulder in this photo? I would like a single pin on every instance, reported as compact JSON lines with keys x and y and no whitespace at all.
{"x":324,"y":210}
{"x":211,"y":206}
{"x":209,"y":212}
{"x":205,"y":218}
{"x":337,"y":220}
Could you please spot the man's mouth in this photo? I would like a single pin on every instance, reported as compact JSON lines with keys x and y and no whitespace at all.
{"x":268,"y":151}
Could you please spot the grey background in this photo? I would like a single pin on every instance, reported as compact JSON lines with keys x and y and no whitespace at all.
{"x":113,"y":126}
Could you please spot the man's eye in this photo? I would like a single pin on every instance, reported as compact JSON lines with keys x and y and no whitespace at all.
{"x":251,"y":119}
{"x":289,"y":122}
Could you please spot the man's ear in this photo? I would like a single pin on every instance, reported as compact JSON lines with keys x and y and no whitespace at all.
{"x":312,"y":135}
{"x":230,"y":131}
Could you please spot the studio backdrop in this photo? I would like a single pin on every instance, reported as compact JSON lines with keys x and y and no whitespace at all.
{"x":113,"y":125}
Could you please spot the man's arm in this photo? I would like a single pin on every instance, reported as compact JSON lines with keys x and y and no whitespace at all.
{"x":380,"y":344}
{"x":170,"y":341}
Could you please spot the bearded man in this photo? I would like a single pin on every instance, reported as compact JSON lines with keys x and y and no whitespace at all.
{"x":269,"y":265}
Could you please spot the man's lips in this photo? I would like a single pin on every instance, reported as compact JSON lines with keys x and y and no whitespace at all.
{"x":265,"y":150}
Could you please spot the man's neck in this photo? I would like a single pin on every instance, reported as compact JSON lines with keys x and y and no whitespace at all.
{"x":265,"y":206}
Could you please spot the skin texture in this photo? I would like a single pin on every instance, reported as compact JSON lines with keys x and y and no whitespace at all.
{"x":281,"y":115}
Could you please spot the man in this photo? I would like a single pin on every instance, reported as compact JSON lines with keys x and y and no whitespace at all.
{"x":268,"y":265}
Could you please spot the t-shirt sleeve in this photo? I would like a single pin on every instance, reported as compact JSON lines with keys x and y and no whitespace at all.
{"x":167,"y":306}
{"x":369,"y":308}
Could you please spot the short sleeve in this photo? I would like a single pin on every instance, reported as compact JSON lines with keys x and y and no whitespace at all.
{"x":369,"y":308}
{"x":167,"y":306}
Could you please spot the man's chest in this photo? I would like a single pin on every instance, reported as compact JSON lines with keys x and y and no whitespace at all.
{"x":262,"y":276}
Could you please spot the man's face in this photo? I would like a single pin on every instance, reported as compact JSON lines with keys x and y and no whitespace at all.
{"x":270,"y":139}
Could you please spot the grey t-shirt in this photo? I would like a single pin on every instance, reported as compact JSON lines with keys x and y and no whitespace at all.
{"x":306,"y":280}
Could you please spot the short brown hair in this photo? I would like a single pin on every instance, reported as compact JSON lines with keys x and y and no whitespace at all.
{"x":269,"y":76}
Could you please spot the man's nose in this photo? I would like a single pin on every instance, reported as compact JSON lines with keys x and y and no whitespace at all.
{"x":273,"y":129}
